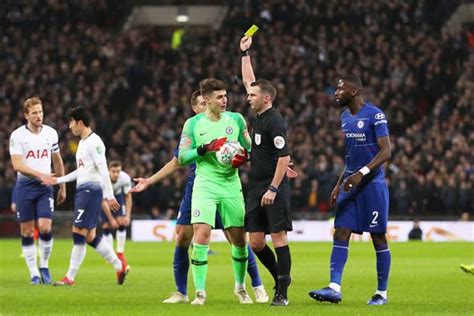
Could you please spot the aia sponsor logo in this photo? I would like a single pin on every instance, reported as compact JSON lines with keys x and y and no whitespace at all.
{"x":37,"y":154}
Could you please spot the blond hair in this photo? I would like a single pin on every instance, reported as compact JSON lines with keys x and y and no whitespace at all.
{"x":30,"y":102}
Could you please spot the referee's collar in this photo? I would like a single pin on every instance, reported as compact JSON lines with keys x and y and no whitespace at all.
{"x":266,"y":112}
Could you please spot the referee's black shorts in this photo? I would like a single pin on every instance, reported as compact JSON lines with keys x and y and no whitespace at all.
{"x":269,"y":218}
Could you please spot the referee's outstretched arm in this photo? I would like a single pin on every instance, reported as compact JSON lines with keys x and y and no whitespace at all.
{"x":247,"y":71}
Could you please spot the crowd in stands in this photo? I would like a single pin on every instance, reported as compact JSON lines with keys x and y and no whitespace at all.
{"x":138,"y":87}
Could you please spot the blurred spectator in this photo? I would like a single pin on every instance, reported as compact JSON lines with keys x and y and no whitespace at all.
{"x":402,"y":198}
{"x":415,"y":233}
{"x":464,"y":217}
{"x":313,"y":196}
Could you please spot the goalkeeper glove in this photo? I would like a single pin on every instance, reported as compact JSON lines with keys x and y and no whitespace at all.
{"x":215,"y":145}
{"x":240,"y":159}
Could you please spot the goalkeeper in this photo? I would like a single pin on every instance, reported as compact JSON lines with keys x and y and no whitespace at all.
{"x":216,"y":187}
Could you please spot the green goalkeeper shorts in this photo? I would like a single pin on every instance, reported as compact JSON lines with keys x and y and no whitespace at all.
{"x":205,"y":203}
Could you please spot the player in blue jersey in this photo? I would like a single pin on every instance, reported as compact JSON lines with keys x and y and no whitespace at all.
{"x":361,"y":194}
{"x":184,"y":230}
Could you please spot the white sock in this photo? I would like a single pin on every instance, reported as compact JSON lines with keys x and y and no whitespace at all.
{"x":29,"y":252}
{"x":110,"y":238}
{"x":45,"y":248}
{"x":121,"y":238}
{"x":336,"y":287}
{"x":107,"y":252}
{"x":238,"y":287}
{"x":78,"y":254}
{"x":382,"y":293}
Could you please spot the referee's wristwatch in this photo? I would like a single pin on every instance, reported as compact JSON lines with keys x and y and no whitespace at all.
{"x":273,"y":188}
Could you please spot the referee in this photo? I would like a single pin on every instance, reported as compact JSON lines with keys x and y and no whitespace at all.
{"x":268,"y":198}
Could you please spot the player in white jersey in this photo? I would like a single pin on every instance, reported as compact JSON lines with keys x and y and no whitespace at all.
{"x":93,"y":184}
{"x":32,"y":148}
{"x":120,"y":220}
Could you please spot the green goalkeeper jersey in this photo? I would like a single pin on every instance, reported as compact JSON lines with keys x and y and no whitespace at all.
{"x":212,"y":176}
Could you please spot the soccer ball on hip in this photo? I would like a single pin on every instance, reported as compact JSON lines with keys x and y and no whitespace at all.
{"x":228,"y":151}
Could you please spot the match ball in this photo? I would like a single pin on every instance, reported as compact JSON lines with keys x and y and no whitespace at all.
{"x":228,"y":151}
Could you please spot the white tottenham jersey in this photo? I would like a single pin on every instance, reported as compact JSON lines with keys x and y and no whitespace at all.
{"x":123,"y":184}
{"x":35,"y":149}
{"x":90,"y":159}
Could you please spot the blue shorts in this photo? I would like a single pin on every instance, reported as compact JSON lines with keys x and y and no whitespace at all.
{"x":87,"y":205}
{"x":33,"y":200}
{"x":364,"y":209}
{"x":14,"y":194}
{"x":122,"y":211}
{"x":184,"y":214}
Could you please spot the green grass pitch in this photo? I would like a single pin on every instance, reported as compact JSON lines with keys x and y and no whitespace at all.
{"x":425,"y":279}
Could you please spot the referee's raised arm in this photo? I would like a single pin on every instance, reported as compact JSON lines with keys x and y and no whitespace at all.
{"x":247,"y":71}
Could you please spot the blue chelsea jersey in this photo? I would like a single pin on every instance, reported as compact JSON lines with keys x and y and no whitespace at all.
{"x":360,"y":135}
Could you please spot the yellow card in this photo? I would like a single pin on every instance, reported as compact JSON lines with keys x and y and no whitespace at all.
{"x":251,"y":31}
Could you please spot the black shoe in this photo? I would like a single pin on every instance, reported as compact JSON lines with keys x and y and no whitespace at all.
{"x":280,"y":300}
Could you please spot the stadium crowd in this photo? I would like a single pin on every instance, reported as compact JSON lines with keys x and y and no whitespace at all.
{"x":138,"y":88}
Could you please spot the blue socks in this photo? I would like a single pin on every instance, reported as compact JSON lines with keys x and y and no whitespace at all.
{"x":78,"y":239}
{"x":95,"y":242}
{"x":340,"y":250}
{"x":383,"y":266}
{"x":339,"y":255}
{"x":252,"y":269}
{"x":27,"y":241}
{"x":46,"y":236}
{"x":181,"y":268}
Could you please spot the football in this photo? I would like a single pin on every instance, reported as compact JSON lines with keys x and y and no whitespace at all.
{"x":227,"y":152}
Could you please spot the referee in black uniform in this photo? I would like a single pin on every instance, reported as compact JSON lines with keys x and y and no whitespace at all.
{"x":268,"y":197}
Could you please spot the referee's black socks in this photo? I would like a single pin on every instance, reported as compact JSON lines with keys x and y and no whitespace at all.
{"x":267,"y":258}
{"x":284,"y":267}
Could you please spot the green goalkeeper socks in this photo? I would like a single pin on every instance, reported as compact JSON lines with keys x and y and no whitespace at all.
{"x":199,"y":266}
{"x":240,"y":256}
